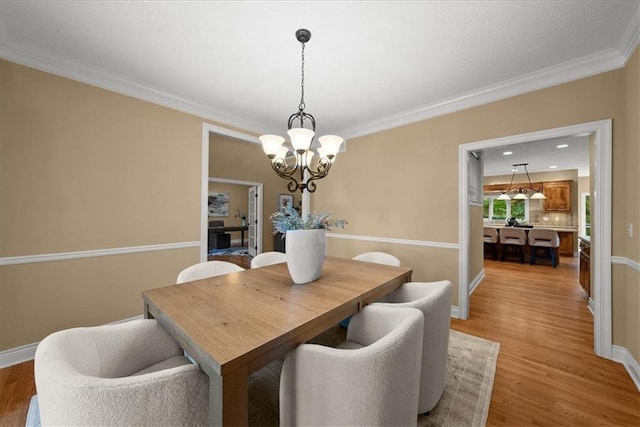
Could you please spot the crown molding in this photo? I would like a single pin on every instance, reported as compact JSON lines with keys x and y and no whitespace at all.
{"x":95,"y":77}
{"x":630,"y":40}
{"x":587,"y":66}
{"x":608,"y":60}
{"x":569,"y":71}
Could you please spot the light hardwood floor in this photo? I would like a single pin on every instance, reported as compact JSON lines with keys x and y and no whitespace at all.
{"x":547,"y":372}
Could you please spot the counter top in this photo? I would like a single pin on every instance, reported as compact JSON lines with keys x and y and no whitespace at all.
{"x":585,"y":238}
{"x":561,"y":228}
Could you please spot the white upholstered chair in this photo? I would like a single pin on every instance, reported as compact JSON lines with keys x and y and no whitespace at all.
{"x":491,"y":237}
{"x":207,"y":269}
{"x":513,"y":238}
{"x":378,"y":258}
{"x":372,"y":379}
{"x":541,"y":238}
{"x":268,"y":258}
{"x":130,"y":373}
{"x":434,"y":300}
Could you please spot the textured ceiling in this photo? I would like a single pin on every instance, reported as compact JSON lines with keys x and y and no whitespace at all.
{"x":369,"y":65}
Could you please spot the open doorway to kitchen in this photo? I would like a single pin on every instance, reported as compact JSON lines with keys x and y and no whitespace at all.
{"x":512,"y":176}
{"x":600,"y":140}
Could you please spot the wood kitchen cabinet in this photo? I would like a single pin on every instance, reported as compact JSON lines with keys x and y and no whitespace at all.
{"x":585,"y":265}
{"x":558,"y":196}
{"x":566,"y":243}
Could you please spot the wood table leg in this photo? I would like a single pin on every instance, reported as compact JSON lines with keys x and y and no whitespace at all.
{"x":229,"y":398}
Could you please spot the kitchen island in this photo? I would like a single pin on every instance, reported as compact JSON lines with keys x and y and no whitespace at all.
{"x":567,"y":234}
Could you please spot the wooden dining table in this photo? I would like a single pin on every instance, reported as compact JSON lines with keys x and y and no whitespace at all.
{"x":235,"y":324}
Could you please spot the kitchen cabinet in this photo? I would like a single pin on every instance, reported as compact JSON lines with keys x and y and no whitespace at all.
{"x":566,"y":243}
{"x":558,"y":196}
{"x":585,"y":265}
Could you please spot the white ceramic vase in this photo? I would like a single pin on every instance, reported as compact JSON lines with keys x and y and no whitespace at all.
{"x":305,"y":254}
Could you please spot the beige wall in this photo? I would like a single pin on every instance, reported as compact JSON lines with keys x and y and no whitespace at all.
{"x":83,"y":168}
{"x":412,"y":194}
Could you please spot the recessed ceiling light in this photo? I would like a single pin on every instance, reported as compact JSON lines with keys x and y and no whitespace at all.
{"x":553,"y":167}
{"x":507,"y":153}
{"x":562,"y":146}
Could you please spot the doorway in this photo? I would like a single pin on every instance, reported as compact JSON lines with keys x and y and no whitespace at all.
{"x":255,"y":221}
{"x":600,"y":138}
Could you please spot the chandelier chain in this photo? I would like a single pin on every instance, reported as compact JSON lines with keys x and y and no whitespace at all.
{"x":302,"y":105}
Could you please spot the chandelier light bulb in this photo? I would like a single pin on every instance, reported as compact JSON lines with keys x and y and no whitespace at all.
{"x":538,"y":195}
{"x":330,"y":144}
{"x":300,"y":138}
{"x":271,"y":144}
{"x":281,"y":154}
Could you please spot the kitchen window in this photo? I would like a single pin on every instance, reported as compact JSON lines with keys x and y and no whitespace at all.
{"x":494,"y":209}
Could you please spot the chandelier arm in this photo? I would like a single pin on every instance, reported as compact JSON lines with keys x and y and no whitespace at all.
{"x":321,"y":170}
{"x":287,"y":174}
{"x":302,"y":116}
{"x":310,"y":185}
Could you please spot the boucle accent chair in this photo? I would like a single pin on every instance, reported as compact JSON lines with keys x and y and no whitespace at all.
{"x":434,"y":300}
{"x":268,"y":258}
{"x":371,"y":379}
{"x":130,"y":373}
{"x":206,"y":269}
{"x":378,"y":258}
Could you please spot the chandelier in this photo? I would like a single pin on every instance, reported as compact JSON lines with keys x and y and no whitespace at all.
{"x":521,"y":192}
{"x":299,"y":163}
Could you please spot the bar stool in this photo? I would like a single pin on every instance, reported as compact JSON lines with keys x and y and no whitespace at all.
{"x":491,"y":237}
{"x":515,"y":238}
{"x":540,"y":238}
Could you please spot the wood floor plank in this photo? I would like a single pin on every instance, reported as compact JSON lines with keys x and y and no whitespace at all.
{"x":547,"y":372}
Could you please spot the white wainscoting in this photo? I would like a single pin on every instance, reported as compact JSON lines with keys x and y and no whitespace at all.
{"x":62,"y":256}
{"x":395,"y":241}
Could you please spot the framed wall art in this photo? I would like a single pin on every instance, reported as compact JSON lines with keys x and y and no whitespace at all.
{"x":285,"y":200}
{"x":218,"y":204}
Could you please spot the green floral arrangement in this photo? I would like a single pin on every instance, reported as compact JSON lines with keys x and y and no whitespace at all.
{"x":287,"y":218}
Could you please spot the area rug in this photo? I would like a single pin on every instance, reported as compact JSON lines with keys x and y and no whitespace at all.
{"x":471,"y":369}
{"x":235,"y":250}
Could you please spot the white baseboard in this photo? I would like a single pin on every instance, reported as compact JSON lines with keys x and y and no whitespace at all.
{"x":21,"y":354}
{"x":455,"y":311}
{"x":622,"y":355}
{"x":476,"y":281}
{"x":24,"y":353}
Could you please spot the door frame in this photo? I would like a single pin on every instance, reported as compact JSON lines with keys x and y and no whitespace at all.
{"x":207,"y":129}
{"x":600,"y":159}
